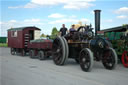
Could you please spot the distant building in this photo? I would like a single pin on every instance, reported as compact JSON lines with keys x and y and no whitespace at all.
{"x":117,"y":29}
{"x":3,"y":39}
{"x":107,"y":32}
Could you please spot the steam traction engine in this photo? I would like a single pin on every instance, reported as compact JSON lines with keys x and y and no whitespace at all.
{"x":84,"y":47}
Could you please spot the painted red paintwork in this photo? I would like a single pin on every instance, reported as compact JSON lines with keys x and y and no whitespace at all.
{"x":19,"y":41}
{"x":46,"y":45}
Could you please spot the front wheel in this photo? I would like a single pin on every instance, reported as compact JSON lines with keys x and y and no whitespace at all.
{"x":86,"y":59}
{"x":110,"y":59}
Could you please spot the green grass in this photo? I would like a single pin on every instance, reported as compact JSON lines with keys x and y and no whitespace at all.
{"x":3,"y":45}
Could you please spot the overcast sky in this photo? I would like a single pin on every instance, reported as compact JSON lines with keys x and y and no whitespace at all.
{"x":47,"y":14}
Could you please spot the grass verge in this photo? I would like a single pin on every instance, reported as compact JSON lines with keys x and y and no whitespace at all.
{"x":3,"y":45}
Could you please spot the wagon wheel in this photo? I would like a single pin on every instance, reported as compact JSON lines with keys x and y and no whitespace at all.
{"x":22,"y":52}
{"x":59,"y":51}
{"x":41,"y":55}
{"x":110,"y":59}
{"x":66,"y":49}
{"x":32,"y":54}
{"x":86,"y":59}
{"x":17,"y":51}
{"x":125,"y":58}
{"x":12,"y":51}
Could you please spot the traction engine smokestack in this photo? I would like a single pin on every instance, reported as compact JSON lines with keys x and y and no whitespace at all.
{"x":97,"y":21}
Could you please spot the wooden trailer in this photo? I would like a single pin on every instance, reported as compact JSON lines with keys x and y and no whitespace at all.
{"x":40,"y":48}
{"x":18,"y":38}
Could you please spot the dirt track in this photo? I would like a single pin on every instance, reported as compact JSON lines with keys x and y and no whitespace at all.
{"x":17,"y":70}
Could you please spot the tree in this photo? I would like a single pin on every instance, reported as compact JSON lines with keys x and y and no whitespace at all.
{"x":54,"y":31}
{"x":125,"y":26}
{"x":43,"y":35}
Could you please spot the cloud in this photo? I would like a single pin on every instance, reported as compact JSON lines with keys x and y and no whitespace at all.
{"x":122,"y":17}
{"x":15,"y":7}
{"x":12,"y":21}
{"x":32,"y":20}
{"x":67,"y":4}
{"x":84,"y":20}
{"x":56,"y":15}
{"x":73,"y":16}
{"x":77,"y":5}
{"x":26,"y":22}
{"x":0,"y":22}
{"x":123,"y":10}
{"x":61,"y":21}
{"x":30,"y":5}
{"x":49,"y":2}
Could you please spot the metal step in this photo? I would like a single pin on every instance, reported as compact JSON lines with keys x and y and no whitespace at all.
{"x":26,"y":40}
{"x":25,"y":45}
{"x":26,"y":34}
{"x":26,"y":37}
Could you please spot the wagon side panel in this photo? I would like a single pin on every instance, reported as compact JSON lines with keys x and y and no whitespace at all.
{"x":9,"y":39}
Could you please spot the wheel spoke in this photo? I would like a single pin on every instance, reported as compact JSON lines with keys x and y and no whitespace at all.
{"x":58,"y":51}
{"x":109,"y":59}
{"x":86,"y":60}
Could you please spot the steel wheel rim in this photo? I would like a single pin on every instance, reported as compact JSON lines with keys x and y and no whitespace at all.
{"x":12,"y":51}
{"x":57,"y":51}
{"x":85,"y":59}
{"x":108,"y":59}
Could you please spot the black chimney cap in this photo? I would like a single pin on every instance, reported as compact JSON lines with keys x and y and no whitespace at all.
{"x":97,"y":10}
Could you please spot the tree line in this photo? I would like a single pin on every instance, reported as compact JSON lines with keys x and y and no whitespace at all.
{"x":53,"y":35}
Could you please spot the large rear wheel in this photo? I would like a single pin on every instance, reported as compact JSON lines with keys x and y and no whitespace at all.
{"x":110,"y":59}
{"x":66,"y":50}
{"x":59,"y":51}
{"x":125,"y":58}
{"x":86,"y":59}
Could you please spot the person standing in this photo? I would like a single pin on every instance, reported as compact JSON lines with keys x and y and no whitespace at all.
{"x":63,"y":30}
{"x":71,"y":30}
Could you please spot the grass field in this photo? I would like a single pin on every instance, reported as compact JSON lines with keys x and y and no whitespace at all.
{"x":3,"y":45}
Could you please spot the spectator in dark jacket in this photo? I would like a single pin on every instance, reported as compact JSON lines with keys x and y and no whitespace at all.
{"x":63,"y":30}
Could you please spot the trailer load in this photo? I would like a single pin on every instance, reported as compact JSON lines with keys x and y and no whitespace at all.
{"x":40,"y":48}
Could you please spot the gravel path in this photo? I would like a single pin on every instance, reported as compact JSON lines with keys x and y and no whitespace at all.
{"x":18,"y":70}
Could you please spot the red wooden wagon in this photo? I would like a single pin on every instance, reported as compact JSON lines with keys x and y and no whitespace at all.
{"x":18,"y":38}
